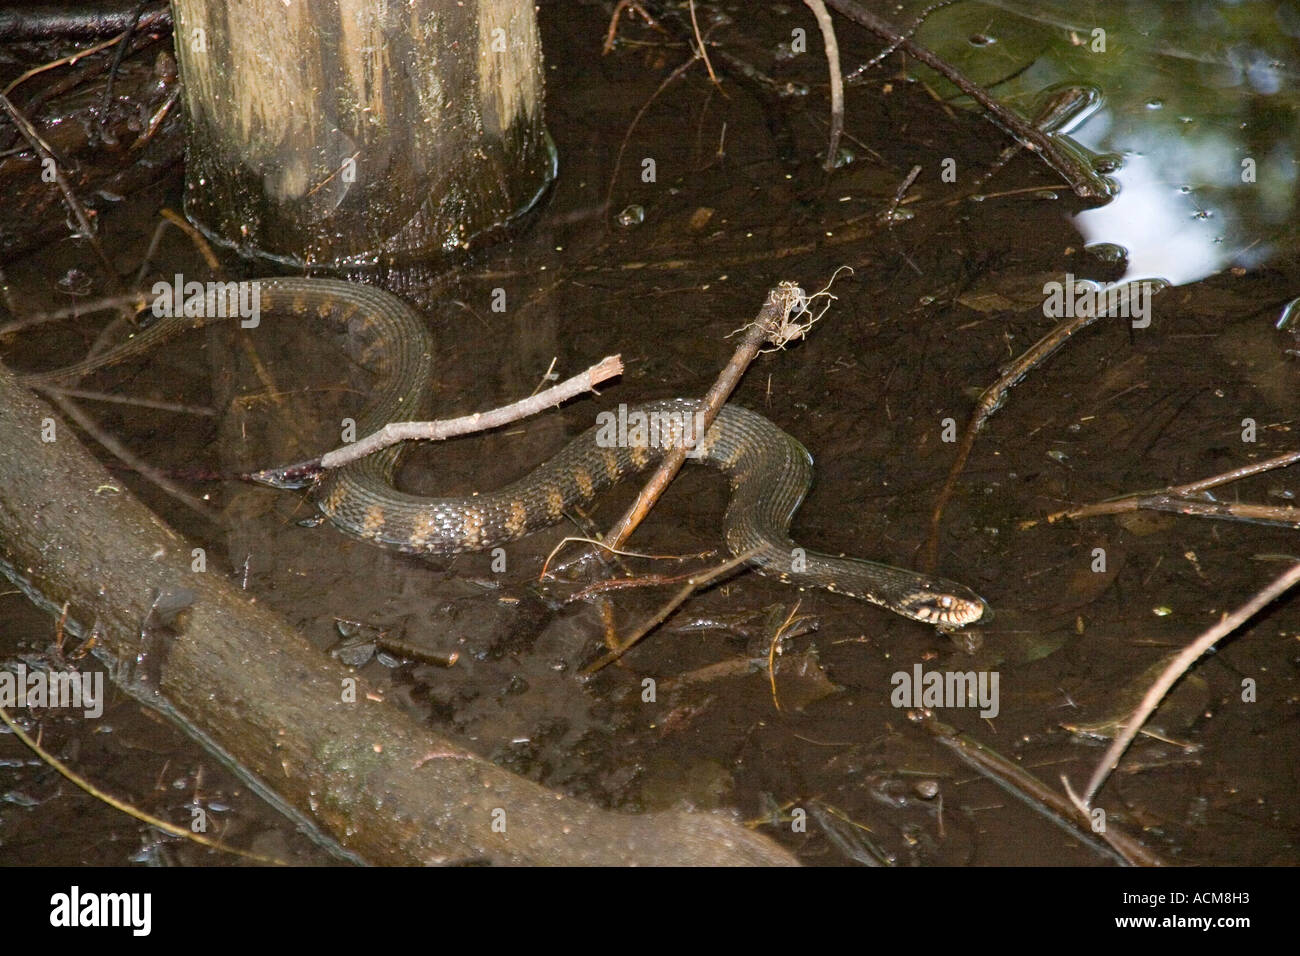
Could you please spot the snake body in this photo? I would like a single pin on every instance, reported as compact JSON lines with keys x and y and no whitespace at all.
{"x":770,"y":472}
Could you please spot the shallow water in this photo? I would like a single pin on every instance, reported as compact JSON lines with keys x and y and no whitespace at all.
{"x":936,"y":305}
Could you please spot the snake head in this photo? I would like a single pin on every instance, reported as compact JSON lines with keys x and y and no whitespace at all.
{"x":945,"y":604}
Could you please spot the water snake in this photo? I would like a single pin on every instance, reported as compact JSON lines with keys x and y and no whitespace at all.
{"x":769,"y":471}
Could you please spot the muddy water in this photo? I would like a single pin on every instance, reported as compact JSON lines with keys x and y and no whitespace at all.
{"x":936,"y":304}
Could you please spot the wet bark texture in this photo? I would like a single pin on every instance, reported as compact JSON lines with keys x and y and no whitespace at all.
{"x":256,"y":693}
{"x":343,"y":134}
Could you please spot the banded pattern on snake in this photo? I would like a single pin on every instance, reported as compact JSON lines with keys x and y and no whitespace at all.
{"x":770,"y":472}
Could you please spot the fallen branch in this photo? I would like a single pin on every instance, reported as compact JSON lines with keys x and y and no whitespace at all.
{"x":394,"y":432}
{"x":773,"y":324}
{"x":1177,"y":498}
{"x":837,"y":79}
{"x":74,"y":204}
{"x":779,"y":322}
{"x":1279,"y":516}
{"x":1177,"y":667}
{"x":80,"y":22}
{"x":992,"y":398}
{"x":693,"y":584}
{"x":372,"y":780}
{"x":1021,"y":783}
{"x":1084,"y":180}
{"x":128,"y":457}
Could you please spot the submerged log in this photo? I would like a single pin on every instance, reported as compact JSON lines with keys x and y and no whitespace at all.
{"x":253,"y":691}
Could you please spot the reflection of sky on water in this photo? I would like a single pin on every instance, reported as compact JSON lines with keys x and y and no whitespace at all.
{"x":1190,"y":88}
{"x":1184,"y":210}
{"x":1167,"y":233}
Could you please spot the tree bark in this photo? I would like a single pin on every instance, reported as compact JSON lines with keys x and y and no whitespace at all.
{"x":348,"y":133}
{"x":260,"y":697}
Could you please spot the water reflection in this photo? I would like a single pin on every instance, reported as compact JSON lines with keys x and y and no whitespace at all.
{"x":1199,"y":99}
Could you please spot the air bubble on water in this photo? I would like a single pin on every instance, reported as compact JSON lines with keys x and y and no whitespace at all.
{"x":75,"y":282}
{"x":1107,"y":162}
{"x":1108,"y":252}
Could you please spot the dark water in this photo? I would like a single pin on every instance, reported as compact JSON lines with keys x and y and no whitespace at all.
{"x":938,"y":302}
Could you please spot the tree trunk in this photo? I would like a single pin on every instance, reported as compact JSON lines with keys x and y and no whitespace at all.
{"x":346,"y":133}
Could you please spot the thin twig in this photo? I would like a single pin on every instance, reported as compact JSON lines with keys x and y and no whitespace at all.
{"x":69,"y":60}
{"x":1278,"y":516}
{"x":117,"y":449}
{"x":46,"y":152}
{"x":622,"y":147}
{"x":837,"y":78}
{"x":156,"y":121}
{"x":899,"y":195}
{"x":1167,"y":499}
{"x":992,"y":398}
{"x":546,"y":565}
{"x":772,"y":651}
{"x":1019,"y":782}
{"x":704,"y":53}
{"x":631,"y":6}
{"x":171,"y":828}
{"x":769,"y":326}
{"x":905,"y":35}
{"x":1177,"y":667}
{"x":131,"y":400}
{"x":196,"y":237}
{"x":118,"y":55}
{"x":692,"y":585}
{"x":137,"y":301}
{"x":1083,"y":179}
{"x":395,"y":432}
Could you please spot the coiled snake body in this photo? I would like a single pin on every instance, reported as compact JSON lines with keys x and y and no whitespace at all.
{"x":770,"y":472}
